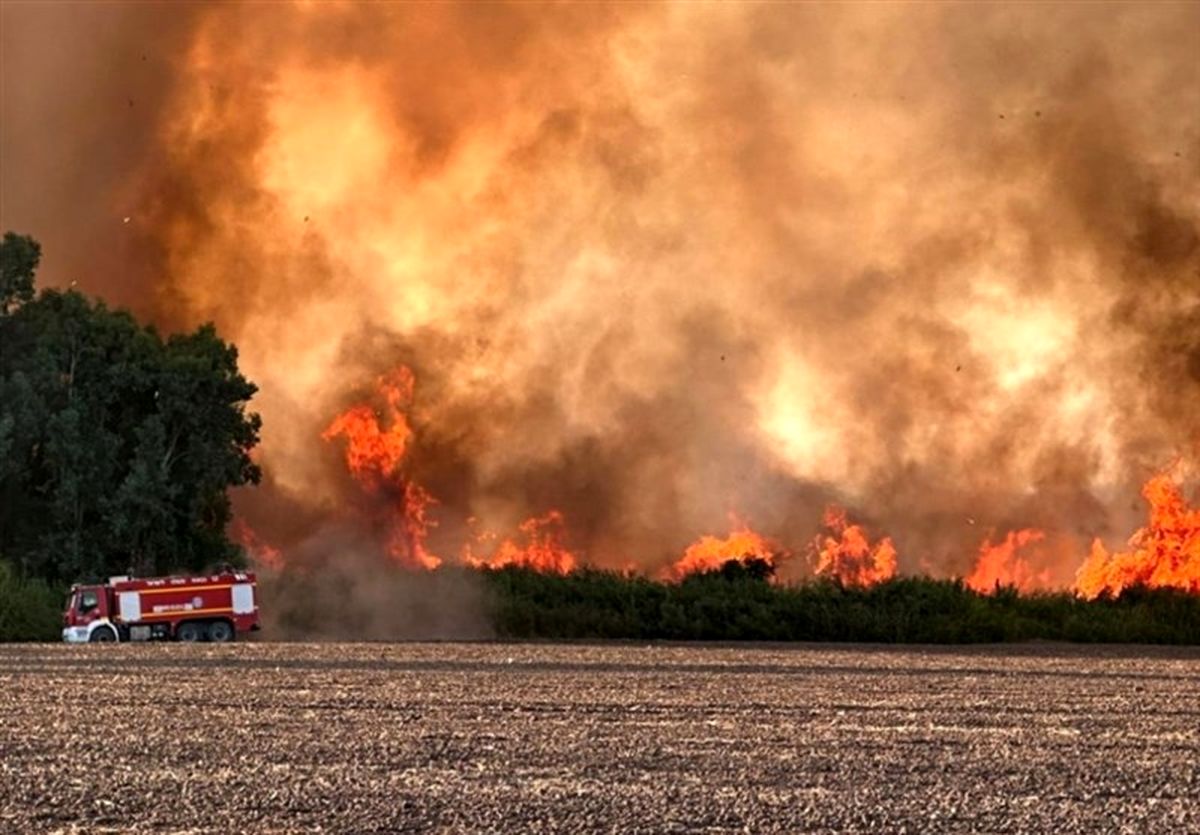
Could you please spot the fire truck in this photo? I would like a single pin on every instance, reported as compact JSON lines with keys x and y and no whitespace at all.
{"x":217,"y":607}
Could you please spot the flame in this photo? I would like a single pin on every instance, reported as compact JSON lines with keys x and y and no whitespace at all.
{"x":373,"y":453}
{"x":377,"y":442}
{"x":709,"y":553}
{"x":342,"y":184}
{"x":541,"y":549}
{"x":848,"y":555}
{"x":262,"y":554}
{"x":1000,"y":565}
{"x":374,"y":456}
{"x":1164,"y":554}
{"x":411,"y":526}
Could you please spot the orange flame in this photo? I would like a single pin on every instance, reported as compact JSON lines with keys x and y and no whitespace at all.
{"x":848,"y":555}
{"x":1000,"y":565}
{"x":709,"y":553}
{"x":411,"y":527}
{"x":373,"y":453}
{"x":374,"y":456}
{"x":1164,"y":554}
{"x":261,"y":554}
{"x":542,"y":548}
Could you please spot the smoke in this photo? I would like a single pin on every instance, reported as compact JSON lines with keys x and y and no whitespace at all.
{"x":337,"y":588}
{"x":655,"y":264}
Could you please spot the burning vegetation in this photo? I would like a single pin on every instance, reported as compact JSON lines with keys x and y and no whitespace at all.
{"x":1164,"y":554}
{"x":1007,"y":565}
{"x":539,"y":545}
{"x":911,"y":290}
{"x":374,"y":457}
{"x":710,"y":553}
{"x":377,"y":438}
{"x":846,"y":555}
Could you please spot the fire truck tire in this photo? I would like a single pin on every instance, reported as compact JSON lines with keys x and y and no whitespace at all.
{"x":190,"y":632}
{"x":103,"y":634}
{"x":220,"y":632}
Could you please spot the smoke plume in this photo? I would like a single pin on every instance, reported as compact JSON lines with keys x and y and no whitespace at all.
{"x":651,"y":265}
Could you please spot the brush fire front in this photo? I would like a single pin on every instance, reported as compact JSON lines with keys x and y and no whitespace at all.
{"x":380,"y":436}
{"x":711,"y":258}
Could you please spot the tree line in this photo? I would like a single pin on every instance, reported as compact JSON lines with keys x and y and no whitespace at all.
{"x":117,"y":445}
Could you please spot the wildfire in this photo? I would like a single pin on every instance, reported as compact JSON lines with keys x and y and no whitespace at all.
{"x":374,"y":455}
{"x":848,"y":556}
{"x":535,"y":202}
{"x":373,"y":452}
{"x":541,"y":547}
{"x":709,"y":552}
{"x":1164,"y":554}
{"x":1000,"y":565}
{"x":261,"y":553}
{"x":411,"y":527}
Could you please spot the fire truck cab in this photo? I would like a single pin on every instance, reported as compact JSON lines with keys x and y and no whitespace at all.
{"x":216,"y":607}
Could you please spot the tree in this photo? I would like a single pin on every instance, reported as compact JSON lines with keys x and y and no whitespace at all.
{"x":120,"y":445}
{"x":19,"y":257}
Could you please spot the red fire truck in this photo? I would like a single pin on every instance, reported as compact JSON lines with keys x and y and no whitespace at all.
{"x":217,"y":607}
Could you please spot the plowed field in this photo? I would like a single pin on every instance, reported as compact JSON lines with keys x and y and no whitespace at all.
{"x":490,"y":737}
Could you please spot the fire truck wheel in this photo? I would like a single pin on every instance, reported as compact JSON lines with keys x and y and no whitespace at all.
{"x":220,"y":632}
{"x":190,"y":632}
{"x":103,"y":634}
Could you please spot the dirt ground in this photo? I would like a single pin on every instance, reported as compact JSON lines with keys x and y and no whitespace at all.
{"x":261,"y":737}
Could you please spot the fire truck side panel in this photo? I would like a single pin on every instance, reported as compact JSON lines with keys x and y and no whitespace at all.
{"x":242,"y":599}
{"x":174,"y":600}
{"x":146,"y":608}
{"x":129,"y":605}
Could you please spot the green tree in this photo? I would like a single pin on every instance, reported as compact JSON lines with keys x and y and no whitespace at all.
{"x":120,"y":445}
{"x":19,"y":257}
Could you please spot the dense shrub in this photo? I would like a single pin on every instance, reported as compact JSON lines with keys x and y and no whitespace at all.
{"x":29,"y":609}
{"x":742,"y":605}
{"x":732,"y":605}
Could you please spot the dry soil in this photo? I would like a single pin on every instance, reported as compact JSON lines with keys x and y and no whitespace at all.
{"x":258,"y":737}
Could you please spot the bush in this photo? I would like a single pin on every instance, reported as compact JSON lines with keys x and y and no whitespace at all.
{"x":29,"y":609}
{"x":732,"y":604}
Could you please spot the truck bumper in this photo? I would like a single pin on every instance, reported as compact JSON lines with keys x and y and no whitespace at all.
{"x":75,"y":634}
